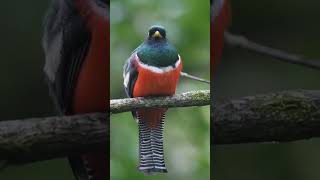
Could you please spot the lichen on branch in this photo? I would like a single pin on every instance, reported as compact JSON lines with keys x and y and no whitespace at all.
{"x":192,"y":98}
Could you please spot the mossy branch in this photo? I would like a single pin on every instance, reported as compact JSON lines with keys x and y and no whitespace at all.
{"x":282,"y":116}
{"x":34,"y":139}
{"x":192,"y":98}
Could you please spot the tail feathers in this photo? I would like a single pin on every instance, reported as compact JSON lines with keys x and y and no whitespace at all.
{"x":92,"y":166}
{"x":78,"y":168}
{"x":151,"y":148}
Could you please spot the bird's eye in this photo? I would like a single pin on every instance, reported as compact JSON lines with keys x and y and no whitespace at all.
{"x":151,"y":32}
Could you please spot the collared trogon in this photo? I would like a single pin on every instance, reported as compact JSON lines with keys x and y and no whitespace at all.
{"x":76,"y":45}
{"x":220,"y":20}
{"x":153,"y":69}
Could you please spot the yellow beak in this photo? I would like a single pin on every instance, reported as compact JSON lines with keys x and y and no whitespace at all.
{"x":157,"y":35}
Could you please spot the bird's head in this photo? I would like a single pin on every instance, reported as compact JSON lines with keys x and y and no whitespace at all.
{"x":157,"y":33}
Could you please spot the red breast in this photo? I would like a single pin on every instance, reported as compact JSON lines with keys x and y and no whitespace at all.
{"x":218,"y":27}
{"x":91,"y":91}
{"x":150,"y":83}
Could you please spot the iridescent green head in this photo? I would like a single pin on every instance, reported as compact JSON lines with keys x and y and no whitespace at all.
{"x":156,"y":33}
{"x":156,"y":50}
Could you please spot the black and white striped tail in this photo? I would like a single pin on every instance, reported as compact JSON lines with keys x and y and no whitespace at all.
{"x":151,"y":148}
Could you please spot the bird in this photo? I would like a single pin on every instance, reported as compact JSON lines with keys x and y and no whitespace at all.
{"x":220,"y":21}
{"x":152,"y":70}
{"x":76,"y":47}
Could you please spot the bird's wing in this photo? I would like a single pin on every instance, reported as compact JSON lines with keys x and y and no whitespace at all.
{"x":66,"y":41}
{"x":130,"y":74}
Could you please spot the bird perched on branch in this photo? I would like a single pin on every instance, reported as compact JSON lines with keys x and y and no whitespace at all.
{"x":220,"y":21}
{"x":76,"y":45}
{"x":153,"y":69}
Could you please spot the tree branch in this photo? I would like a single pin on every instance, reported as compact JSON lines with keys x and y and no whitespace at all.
{"x":283,"y":116}
{"x":193,"y":98}
{"x":37,"y":139}
{"x":243,"y":42}
{"x":184,"y":74}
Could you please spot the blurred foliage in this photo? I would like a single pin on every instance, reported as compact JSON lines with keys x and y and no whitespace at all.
{"x":288,"y":25}
{"x":186,"y":136}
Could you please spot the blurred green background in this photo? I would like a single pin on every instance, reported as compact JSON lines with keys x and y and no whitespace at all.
{"x":186,"y":134}
{"x":23,"y":91}
{"x":288,"y":25}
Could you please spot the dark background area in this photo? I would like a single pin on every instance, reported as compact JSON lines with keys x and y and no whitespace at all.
{"x":287,"y":25}
{"x":23,"y":92}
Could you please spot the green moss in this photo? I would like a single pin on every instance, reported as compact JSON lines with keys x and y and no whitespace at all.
{"x":287,"y":107}
{"x":201,"y":96}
